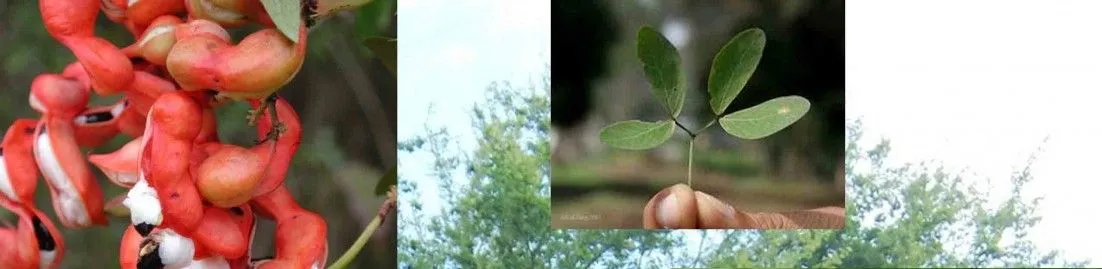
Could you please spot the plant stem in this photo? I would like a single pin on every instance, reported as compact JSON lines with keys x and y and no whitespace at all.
{"x":691,"y":133}
{"x":691,"y":161}
{"x":354,"y":250}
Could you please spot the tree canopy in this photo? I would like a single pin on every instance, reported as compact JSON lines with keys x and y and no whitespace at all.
{"x":497,"y":213}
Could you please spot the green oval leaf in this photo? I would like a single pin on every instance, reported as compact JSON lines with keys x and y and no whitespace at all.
{"x":386,"y":49}
{"x":662,"y":65}
{"x":636,"y":134}
{"x":733,"y":66}
{"x":287,"y":16}
{"x":388,"y":179}
{"x":766,"y":118}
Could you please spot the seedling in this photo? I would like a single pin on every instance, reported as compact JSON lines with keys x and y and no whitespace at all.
{"x":731,"y":68}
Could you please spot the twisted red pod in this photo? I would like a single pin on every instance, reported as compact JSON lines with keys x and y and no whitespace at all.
{"x":138,"y":15}
{"x":131,"y":122}
{"x":231,"y":175}
{"x":209,"y":129}
{"x":98,"y":125}
{"x":75,"y":71}
{"x":220,"y":233}
{"x":121,"y":165}
{"x":229,"y":13}
{"x":77,"y":199}
{"x":254,"y":68}
{"x":72,"y":22}
{"x":169,"y":199}
{"x":128,"y":248}
{"x":228,"y":176}
{"x":300,"y":234}
{"x":285,"y":148}
{"x":33,"y":243}
{"x":154,"y":43}
{"x":18,"y":170}
{"x":246,"y":223}
{"x":157,"y":40}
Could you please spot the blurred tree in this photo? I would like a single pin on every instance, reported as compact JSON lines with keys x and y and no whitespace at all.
{"x":909,"y":216}
{"x":587,"y":30}
{"x":500,"y":219}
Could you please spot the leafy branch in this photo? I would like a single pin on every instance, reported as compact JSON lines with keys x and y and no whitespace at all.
{"x":731,"y":69}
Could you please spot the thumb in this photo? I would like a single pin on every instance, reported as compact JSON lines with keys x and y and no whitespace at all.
{"x":671,"y":208}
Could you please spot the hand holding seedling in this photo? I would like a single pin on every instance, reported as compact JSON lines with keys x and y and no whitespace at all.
{"x":679,"y":207}
{"x":731,"y":69}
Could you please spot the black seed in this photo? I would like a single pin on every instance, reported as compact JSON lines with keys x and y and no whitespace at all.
{"x":143,"y":228}
{"x":151,"y":259}
{"x":98,"y":117}
{"x":45,"y":239}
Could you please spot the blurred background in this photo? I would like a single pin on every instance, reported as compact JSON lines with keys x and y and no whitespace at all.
{"x":344,"y":96}
{"x":599,"y":80}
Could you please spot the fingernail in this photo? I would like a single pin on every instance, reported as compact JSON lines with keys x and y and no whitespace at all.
{"x":668,"y":214}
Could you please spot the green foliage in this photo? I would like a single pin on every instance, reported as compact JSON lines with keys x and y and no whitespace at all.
{"x":662,"y":65}
{"x":908,"y":216}
{"x":287,"y":16}
{"x":499,"y":217}
{"x":635,"y":134}
{"x":766,"y":118}
{"x":732,"y":67}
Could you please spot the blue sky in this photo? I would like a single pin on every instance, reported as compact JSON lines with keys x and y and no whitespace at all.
{"x":449,"y":52}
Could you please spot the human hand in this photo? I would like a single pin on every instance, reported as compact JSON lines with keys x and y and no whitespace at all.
{"x":680,"y":207}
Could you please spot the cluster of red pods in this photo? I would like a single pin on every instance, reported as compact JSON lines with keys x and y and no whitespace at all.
{"x":193,"y":200}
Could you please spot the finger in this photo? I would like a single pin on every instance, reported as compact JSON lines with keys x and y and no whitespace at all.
{"x":671,"y":208}
{"x":715,"y":214}
{"x":819,"y":218}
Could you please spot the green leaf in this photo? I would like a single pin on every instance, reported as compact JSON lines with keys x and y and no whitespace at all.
{"x":662,"y":65}
{"x":371,"y":18}
{"x":287,"y":16}
{"x":637,"y":135}
{"x":733,"y":66}
{"x":386,"y":49}
{"x":388,"y":179}
{"x":766,"y":118}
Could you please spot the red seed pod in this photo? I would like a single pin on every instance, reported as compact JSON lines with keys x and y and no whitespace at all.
{"x":254,"y":68}
{"x":18,"y":169}
{"x":33,"y":243}
{"x":77,"y":198}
